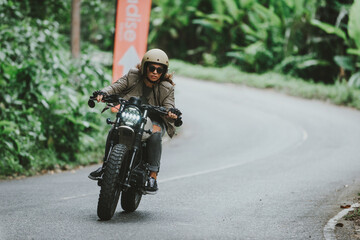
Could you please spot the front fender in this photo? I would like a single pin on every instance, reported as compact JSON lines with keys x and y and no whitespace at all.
{"x":126,"y":136}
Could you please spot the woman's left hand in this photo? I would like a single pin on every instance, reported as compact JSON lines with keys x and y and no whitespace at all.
{"x":172,"y":115}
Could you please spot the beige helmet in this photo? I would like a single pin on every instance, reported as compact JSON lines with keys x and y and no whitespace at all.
{"x":155,"y":56}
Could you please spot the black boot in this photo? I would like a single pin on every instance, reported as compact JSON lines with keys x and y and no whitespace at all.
{"x":97,"y":174}
{"x":151,"y":186}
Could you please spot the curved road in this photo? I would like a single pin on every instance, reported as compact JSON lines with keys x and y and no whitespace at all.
{"x":247,"y":164}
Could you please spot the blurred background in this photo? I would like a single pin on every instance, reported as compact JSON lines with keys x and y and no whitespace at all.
{"x":307,"y":48}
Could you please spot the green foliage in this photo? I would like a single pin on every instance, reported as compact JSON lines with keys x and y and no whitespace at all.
{"x":346,"y":62}
{"x":330,"y":29}
{"x":276,"y":34}
{"x":170,"y":25}
{"x":339,"y":93}
{"x":353,"y":215}
{"x":353,"y":27}
{"x":350,"y":62}
{"x":98,"y":23}
{"x":355,"y":80}
{"x":354,"y":33}
{"x":255,"y":35}
{"x":44,"y":115}
{"x":260,"y":35}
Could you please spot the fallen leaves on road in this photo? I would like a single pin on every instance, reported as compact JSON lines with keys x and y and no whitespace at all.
{"x":345,"y":206}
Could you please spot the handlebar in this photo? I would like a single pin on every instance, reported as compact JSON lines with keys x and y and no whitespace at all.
{"x":107,"y":99}
{"x":114,"y":99}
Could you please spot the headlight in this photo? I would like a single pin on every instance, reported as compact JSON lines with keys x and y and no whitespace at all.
{"x":131,"y":116}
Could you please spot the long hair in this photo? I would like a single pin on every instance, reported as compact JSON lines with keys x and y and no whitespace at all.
{"x":167,"y":77}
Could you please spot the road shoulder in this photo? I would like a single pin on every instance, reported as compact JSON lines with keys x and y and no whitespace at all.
{"x":348,"y":226}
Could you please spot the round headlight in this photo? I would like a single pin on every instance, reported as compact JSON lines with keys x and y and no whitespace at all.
{"x":131,"y":116}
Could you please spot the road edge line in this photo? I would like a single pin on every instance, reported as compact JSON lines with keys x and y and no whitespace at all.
{"x":329,"y":229}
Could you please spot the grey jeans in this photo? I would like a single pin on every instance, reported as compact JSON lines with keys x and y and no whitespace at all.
{"x":154,"y":147}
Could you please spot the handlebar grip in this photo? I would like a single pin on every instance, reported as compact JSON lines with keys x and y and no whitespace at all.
{"x":91,"y":103}
{"x":178,"y":122}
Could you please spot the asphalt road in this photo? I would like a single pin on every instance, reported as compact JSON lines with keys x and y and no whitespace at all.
{"x":247,"y":164}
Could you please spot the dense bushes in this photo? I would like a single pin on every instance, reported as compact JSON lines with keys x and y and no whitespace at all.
{"x":340,"y":93}
{"x":304,"y":38}
{"x":44,"y":118}
{"x":317,"y":40}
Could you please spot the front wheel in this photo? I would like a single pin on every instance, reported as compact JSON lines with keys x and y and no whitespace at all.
{"x":110,"y":189}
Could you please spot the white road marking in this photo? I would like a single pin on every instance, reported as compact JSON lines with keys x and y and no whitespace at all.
{"x":329,"y":229}
{"x":79,"y":196}
{"x":305,"y":137}
{"x":200,"y":172}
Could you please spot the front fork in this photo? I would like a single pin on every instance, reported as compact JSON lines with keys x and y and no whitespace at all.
{"x":131,"y":164}
{"x":135,"y":153}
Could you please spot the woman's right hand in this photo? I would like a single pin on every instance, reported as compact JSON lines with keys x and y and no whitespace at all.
{"x":99,"y":97}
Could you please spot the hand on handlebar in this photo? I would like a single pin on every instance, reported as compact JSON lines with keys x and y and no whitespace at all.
{"x":99,"y":98}
{"x":172,"y":115}
{"x":99,"y":95}
{"x":175,"y":113}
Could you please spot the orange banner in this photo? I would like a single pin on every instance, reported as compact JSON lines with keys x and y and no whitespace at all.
{"x":131,"y":33}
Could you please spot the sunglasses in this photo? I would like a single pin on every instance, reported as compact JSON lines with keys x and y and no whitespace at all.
{"x":159,"y":70}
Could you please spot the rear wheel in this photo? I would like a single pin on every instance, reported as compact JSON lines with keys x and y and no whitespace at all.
{"x":110,"y":189}
{"x":130,"y":200}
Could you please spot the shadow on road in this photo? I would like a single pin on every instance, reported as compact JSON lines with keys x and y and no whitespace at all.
{"x":123,"y":217}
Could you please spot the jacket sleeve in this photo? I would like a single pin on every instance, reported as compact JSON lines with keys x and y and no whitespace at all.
{"x":166,"y":95}
{"x":119,"y":86}
{"x":169,"y":99}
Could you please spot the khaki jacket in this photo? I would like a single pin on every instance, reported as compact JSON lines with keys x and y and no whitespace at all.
{"x":131,"y":84}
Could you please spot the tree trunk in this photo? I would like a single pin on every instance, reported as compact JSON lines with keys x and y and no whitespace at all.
{"x":75,"y":28}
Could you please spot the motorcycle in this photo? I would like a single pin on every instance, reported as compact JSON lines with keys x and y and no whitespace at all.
{"x":125,"y":169}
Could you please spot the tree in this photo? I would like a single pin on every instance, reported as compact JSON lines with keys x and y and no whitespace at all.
{"x":75,"y":28}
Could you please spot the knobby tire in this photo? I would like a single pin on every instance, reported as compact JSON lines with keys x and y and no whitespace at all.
{"x":110,"y":189}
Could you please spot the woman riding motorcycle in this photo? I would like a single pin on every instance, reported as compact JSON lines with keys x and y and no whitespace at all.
{"x":151,"y":82}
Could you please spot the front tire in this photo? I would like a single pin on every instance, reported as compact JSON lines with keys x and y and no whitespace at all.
{"x":110,"y":189}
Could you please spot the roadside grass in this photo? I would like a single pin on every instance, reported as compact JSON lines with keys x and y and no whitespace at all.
{"x":46,"y":161}
{"x":353,"y":215}
{"x":339,"y":93}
